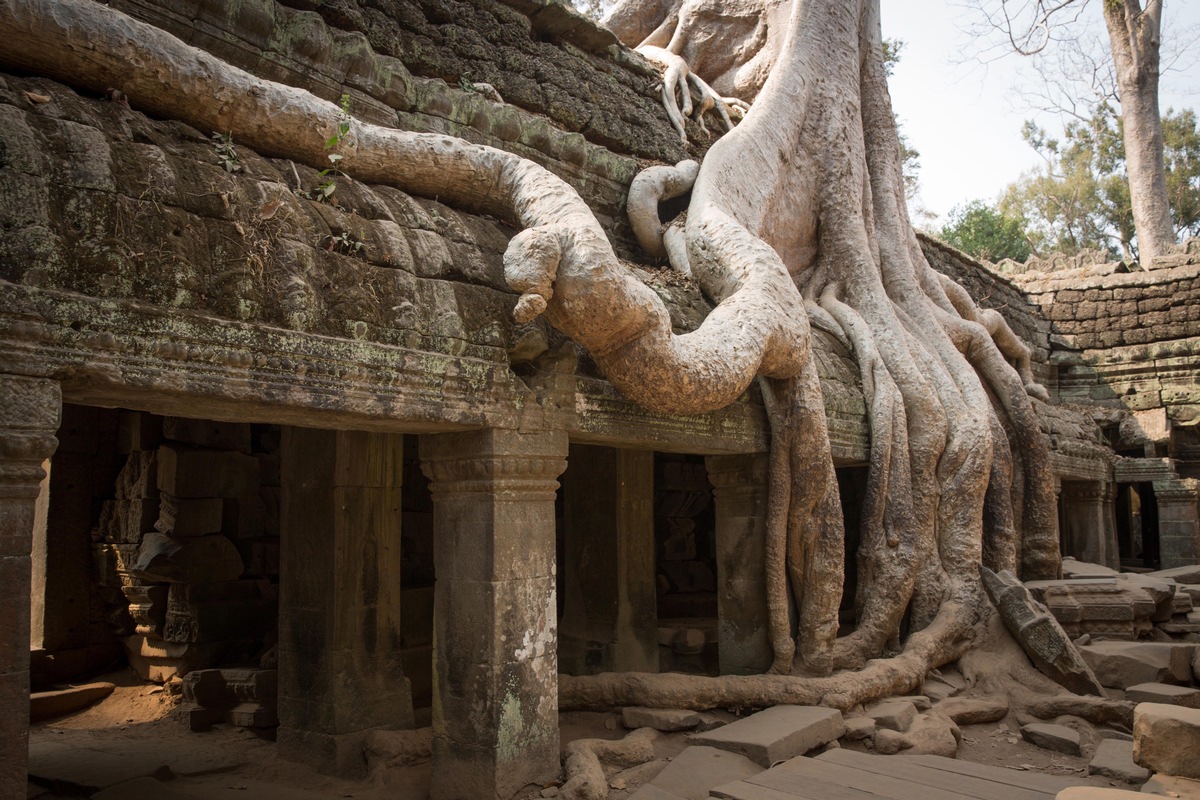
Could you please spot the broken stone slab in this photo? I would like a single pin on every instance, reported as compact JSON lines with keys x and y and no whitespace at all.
{"x":967,"y":711}
{"x":699,"y":768}
{"x":660,"y":719}
{"x":1160,"y":590}
{"x":44,"y":705}
{"x":1186,"y":574}
{"x":1123,"y":664}
{"x":1167,"y":739}
{"x":1164,"y":693}
{"x":895,"y":715}
{"x":929,"y":735}
{"x":776,"y":734}
{"x":1083,"y":569}
{"x":1171,"y":786}
{"x":920,"y":701}
{"x":200,"y":559}
{"x":1114,"y":759}
{"x":1048,"y":736}
{"x":859,"y":728}
{"x":1039,"y":634}
{"x":936,"y":690}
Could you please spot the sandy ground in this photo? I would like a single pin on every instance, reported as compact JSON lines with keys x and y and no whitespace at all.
{"x":140,"y":730}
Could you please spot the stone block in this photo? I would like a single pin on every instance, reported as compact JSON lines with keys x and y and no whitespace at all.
{"x":138,"y":430}
{"x":206,"y":473}
{"x":139,"y":477}
{"x":698,"y":769}
{"x":1047,"y":736}
{"x":858,"y":728}
{"x":1171,"y":786}
{"x":1164,"y":693}
{"x":208,"y":433}
{"x":189,"y":516}
{"x":200,"y":559}
{"x":777,"y":733}
{"x":1114,"y":758}
{"x":895,"y":715}
{"x":44,"y":705}
{"x":660,"y":719}
{"x":937,"y":690}
{"x":1166,"y":739}
{"x":1119,"y":665}
{"x":124,"y":521}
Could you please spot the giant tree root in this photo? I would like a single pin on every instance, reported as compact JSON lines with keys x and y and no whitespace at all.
{"x":585,"y":772}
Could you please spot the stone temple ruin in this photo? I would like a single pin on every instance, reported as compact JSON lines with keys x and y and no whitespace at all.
{"x":273,"y":431}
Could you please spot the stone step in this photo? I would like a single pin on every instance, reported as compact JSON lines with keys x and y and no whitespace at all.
{"x":1114,"y":759}
{"x":777,"y":733}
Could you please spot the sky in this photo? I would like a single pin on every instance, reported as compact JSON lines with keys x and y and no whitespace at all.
{"x":965,"y":119}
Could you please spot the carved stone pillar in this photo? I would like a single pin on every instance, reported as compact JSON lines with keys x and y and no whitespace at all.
{"x":495,"y":702}
{"x":1178,"y":526}
{"x":31,"y":411}
{"x":340,"y":673}
{"x":609,"y":622}
{"x":740,"y":495}
{"x":1089,"y":519}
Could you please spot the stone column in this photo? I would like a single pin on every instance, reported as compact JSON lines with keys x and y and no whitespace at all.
{"x":1178,"y":526}
{"x":740,"y":495}
{"x":340,"y":672}
{"x":31,"y":413}
{"x":609,"y":619}
{"x":1091,"y":525}
{"x":495,"y":701}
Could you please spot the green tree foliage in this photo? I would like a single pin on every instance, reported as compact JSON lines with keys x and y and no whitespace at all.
{"x":1079,"y":199}
{"x":985,"y":232}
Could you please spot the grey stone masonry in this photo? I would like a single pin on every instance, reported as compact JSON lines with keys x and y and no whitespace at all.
{"x":777,"y":733}
{"x":495,"y":706}
{"x":340,"y":673}
{"x":740,"y":495}
{"x":32,"y":410}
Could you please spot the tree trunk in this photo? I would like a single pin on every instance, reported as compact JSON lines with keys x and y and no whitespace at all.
{"x":1135,"y":37}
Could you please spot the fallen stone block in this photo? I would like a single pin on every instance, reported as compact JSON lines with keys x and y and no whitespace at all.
{"x":1171,"y":786}
{"x":660,"y":719}
{"x":1167,"y":739}
{"x":966,"y":711}
{"x":1120,"y":665}
{"x":1186,"y":574}
{"x":200,"y":559}
{"x":859,"y":728}
{"x":697,"y":769}
{"x":1058,"y":738}
{"x":895,"y":715}
{"x":189,"y":516}
{"x":920,"y":701}
{"x":1165,"y":693}
{"x":776,"y":734}
{"x":1114,"y":759}
{"x":936,"y":690}
{"x":1072,"y":568}
{"x":44,"y":705}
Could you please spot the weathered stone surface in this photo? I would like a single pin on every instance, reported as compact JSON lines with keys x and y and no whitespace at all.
{"x":1097,"y":793}
{"x":660,"y":719}
{"x":929,"y":734}
{"x":699,"y":768}
{"x":1058,"y":738}
{"x":1072,"y":568}
{"x":1164,"y":693}
{"x":896,"y":715}
{"x":858,"y":728}
{"x":193,"y":560}
{"x":206,"y":473}
{"x":1123,"y":664}
{"x":208,"y":433}
{"x":398,"y":748}
{"x":1185,"y":574}
{"x":43,"y":705}
{"x":189,"y":516}
{"x":937,"y":690}
{"x":1114,"y":758}
{"x":1167,"y":739}
{"x":972,"y":711}
{"x":146,"y":788}
{"x":1042,"y":638}
{"x":1171,"y":786}
{"x":777,"y":733}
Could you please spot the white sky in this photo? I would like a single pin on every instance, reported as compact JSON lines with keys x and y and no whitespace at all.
{"x":964,"y":119}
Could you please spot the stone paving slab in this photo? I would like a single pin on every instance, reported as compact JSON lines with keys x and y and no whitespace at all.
{"x":903,"y":768}
{"x":44,"y":705}
{"x":816,"y":779}
{"x":1186,"y":696}
{"x":1049,"y":736}
{"x":1009,"y":777}
{"x":697,"y":769}
{"x":85,"y":769}
{"x":777,"y":733}
{"x":1114,"y":759}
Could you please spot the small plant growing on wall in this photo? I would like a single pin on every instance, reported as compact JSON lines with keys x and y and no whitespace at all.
{"x":227,"y":155}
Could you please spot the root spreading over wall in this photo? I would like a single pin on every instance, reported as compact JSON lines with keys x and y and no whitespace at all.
{"x":799,"y":209}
